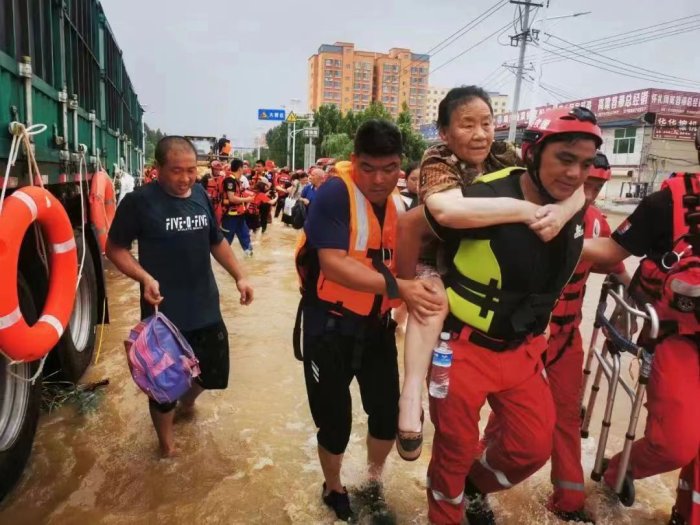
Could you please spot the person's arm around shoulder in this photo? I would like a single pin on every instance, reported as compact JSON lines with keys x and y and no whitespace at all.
{"x":551,"y":218}
{"x":453,"y":210}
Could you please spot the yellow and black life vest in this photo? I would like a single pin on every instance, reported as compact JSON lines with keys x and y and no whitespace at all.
{"x":488,"y":283}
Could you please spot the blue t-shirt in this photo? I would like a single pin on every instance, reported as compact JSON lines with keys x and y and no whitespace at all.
{"x":328,"y":222}
{"x":175,"y":236}
{"x":309,"y":192}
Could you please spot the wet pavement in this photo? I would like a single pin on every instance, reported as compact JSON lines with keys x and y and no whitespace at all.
{"x":249,"y":456}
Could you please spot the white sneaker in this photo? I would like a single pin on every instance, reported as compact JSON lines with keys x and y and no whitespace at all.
{"x":249,"y":253}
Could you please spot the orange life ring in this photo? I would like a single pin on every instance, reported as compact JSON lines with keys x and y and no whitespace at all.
{"x":18,"y":340}
{"x":103,"y":206}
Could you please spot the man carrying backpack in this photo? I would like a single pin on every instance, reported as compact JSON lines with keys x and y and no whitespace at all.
{"x":173,"y":222}
{"x":665,"y":230}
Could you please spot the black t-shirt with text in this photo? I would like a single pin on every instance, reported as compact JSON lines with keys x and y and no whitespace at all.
{"x":649,"y":230}
{"x":174,"y":237}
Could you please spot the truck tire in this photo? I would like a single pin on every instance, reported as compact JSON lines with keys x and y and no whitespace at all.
{"x":76,"y":346}
{"x":20,"y":404}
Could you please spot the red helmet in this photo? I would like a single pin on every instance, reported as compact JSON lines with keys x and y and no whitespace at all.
{"x":561,"y":120}
{"x":601,"y":167}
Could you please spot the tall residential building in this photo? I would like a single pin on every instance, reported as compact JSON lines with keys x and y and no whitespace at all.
{"x":499,"y":103}
{"x":350,"y":79}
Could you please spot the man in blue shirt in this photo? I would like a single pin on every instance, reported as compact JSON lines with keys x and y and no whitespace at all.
{"x":173,"y":222}
{"x":316,"y":177}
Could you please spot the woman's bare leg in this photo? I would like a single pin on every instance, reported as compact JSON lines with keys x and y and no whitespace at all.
{"x":418,"y":346}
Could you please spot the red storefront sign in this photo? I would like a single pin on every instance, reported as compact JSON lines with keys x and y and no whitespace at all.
{"x":628,"y":105}
{"x":675,"y":102}
{"x":675,"y":127}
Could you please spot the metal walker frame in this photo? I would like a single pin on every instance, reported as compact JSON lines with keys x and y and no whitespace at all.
{"x":616,"y":342}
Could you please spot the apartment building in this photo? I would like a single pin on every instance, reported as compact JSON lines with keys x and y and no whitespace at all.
{"x":351,"y":79}
{"x":436,"y":94}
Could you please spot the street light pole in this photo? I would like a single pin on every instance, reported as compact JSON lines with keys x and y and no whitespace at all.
{"x":294,"y":144}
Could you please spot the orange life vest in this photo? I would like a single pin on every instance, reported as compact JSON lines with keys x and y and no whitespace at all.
{"x":567,"y":312}
{"x":103,"y":206}
{"x":370,"y":244}
{"x":215,"y":187}
{"x":673,"y":282}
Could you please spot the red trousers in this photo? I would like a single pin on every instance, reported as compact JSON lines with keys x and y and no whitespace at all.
{"x":564,"y":362}
{"x":518,"y":445}
{"x":672,"y":434}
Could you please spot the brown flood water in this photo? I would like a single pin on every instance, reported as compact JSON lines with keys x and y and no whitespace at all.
{"x":250,"y":454}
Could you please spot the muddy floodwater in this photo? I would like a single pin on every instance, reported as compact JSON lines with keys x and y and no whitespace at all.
{"x":250,"y":454}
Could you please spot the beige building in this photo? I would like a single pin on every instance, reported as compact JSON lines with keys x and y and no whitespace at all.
{"x":351,"y":79}
{"x":436,"y":94}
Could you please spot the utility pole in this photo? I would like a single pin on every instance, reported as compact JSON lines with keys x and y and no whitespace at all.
{"x":520,"y":40}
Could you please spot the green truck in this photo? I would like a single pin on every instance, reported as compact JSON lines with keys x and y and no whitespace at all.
{"x":60,"y":66}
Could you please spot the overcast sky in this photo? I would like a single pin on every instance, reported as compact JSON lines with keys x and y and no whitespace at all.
{"x":204,"y":67}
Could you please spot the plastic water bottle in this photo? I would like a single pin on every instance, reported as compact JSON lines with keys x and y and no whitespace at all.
{"x":440,"y":371}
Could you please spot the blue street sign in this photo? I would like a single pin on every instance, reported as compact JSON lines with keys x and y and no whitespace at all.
{"x":271,"y":114}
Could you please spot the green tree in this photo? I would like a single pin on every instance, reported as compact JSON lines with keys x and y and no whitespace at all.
{"x":277,"y":144}
{"x":337,"y":145}
{"x":414,"y":144}
{"x":329,"y":120}
{"x":152,"y":138}
{"x":375,"y":110}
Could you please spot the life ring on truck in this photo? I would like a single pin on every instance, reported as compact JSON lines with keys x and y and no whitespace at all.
{"x":103,"y":206}
{"x":18,"y":340}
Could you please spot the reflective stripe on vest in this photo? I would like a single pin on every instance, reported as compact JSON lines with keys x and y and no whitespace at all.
{"x":368,"y":239}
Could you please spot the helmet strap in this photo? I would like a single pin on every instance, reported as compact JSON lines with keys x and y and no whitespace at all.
{"x":534,"y":174}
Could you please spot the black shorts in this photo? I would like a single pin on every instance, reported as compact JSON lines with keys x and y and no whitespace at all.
{"x":210,"y":346}
{"x":331,"y":360}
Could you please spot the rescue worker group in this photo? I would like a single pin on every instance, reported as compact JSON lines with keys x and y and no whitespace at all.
{"x":483,"y":251}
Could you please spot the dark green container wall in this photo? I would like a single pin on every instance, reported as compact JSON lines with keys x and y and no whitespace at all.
{"x":71,"y":45}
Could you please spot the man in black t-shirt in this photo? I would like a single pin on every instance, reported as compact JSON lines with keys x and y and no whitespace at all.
{"x":173,"y":222}
{"x":672,"y":434}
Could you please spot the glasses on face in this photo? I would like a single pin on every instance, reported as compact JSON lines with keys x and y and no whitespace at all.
{"x":583,"y":114}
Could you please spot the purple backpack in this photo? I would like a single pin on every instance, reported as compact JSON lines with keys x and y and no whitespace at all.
{"x":162,"y":362}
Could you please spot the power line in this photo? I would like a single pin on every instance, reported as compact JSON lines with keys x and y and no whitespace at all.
{"x":619,"y":69}
{"x":616,"y":43}
{"x":495,"y":73}
{"x":470,"y":48}
{"x":475,"y":22}
{"x":640,"y":35}
{"x":442,"y":45}
{"x":598,"y":66}
{"x":657,"y":73}
{"x":642,"y":29}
